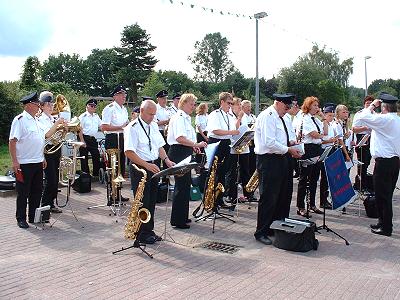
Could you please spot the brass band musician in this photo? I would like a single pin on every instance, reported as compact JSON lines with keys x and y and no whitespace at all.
{"x":144,"y":147}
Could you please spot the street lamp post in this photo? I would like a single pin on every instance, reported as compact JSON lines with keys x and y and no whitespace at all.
{"x":365,"y":68}
{"x":258,"y":16}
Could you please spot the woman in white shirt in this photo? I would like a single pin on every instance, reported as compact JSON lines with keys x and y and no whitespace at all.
{"x":201,"y":122}
{"x":311,"y":132}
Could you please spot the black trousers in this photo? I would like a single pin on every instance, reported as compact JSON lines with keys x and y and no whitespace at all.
{"x":51,"y":172}
{"x":309,"y":175}
{"x":149,"y":196}
{"x":111,"y":142}
{"x":166,"y":146}
{"x":252,"y":159}
{"x":233,"y":172}
{"x":29,"y":190}
{"x":272,"y":205}
{"x":92,"y":148}
{"x":363,"y":155}
{"x":386,"y":173}
{"x":181,"y":197}
{"x":200,"y":156}
{"x":224,"y":160}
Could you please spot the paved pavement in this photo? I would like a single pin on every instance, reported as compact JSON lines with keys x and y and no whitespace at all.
{"x":70,"y":262}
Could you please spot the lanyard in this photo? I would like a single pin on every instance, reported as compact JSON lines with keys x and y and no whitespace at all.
{"x":315,"y":122}
{"x":286,"y":131}
{"x":227,"y":118}
{"x":147,"y":134}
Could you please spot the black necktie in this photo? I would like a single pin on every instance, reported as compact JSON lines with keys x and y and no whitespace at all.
{"x":313,"y":119}
{"x":286,"y":131}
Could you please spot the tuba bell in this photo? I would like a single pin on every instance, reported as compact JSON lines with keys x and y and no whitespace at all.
{"x":62,"y":108}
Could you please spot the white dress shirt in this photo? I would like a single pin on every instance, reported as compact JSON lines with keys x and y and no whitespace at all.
{"x":331,"y":134}
{"x":89,"y":123}
{"x":289,"y":125}
{"x":248,"y":119}
{"x":172,"y":110}
{"x":201,"y":121}
{"x":46,"y":121}
{"x":30,"y":135}
{"x":218,"y":119}
{"x":385,"y":140}
{"x":162,"y":114}
{"x":358,"y":123}
{"x":270,"y":135}
{"x":309,"y":126}
{"x":180,"y":125}
{"x":115,"y":115}
{"x":144,"y":141}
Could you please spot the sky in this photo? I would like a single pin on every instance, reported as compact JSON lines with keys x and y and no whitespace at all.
{"x":352,"y":28}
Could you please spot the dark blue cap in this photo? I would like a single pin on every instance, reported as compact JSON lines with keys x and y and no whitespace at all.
{"x":118,"y":90}
{"x":136,"y":109}
{"x":147,"y":98}
{"x":33,"y":97}
{"x":91,"y":101}
{"x":162,"y":94}
{"x":387,"y":98}
{"x":329,"y":107}
{"x":285,"y":98}
{"x":177,"y":95}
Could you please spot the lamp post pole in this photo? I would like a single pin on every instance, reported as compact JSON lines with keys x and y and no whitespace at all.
{"x":258,"y":16}
{"x":365,"y":68}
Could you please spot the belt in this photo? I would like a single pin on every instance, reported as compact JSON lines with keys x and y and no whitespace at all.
{"x":387,"y":158}
{"x":89,"y":136}
{"x":153,"y":161}
{"x":116,"y":133}
{"x":273,"y":155}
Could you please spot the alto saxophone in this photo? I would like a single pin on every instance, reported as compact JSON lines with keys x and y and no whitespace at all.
{"x":253,"y":183}
{"x":138,"y":214}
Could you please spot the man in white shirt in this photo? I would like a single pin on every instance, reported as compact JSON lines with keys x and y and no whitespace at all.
{"x":162,"y":116}
{"x":272,"y":143}
{"x":173,"y":109}
{"x":385,"y":149}
{"x":90,"y":123}
{"x":144,"y":148}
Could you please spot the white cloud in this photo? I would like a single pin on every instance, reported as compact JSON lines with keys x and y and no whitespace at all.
{"x":353,"y":28}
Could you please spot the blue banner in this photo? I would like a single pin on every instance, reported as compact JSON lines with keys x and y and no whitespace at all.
{"x":338,"y":179}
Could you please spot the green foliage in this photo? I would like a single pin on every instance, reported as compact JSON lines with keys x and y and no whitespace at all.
{"x":176,"y":82}
{"x":66,"y":68}
{"x":390,"y":86}
{"x":30,"y":73}
{"x":5,"y":159}
{"x":134,"y":62}
{"x":153,"y":85}
{"x":271,"y":87}
{"x":211,"y":59}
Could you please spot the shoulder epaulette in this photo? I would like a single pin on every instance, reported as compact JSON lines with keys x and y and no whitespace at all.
{"x":110,"y":105}
{"x":20,"y":116}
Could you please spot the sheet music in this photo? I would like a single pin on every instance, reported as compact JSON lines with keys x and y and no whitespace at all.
{"x":210,"y":153}
{"x":242,"y":130}
{"x":184,"y":161}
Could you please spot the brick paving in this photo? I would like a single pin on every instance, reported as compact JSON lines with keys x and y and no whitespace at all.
{"x":70,"y":262}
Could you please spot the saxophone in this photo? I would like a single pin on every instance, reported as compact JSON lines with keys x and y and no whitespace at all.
{"x":138,"y":214}
{"x":212,"y":194}
{"x":253,"y":183}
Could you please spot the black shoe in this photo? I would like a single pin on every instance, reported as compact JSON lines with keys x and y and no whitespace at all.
{"x":157,"y":238}
{"x":123,"y":199}
{"x":302,"y":212}
{"x":381,"y":232}
{"x":188,"y":221}
{"x":375,"y":226}
{"x":147,"y":240}
{"x":181,"y":226}
{"x":327,"y":205}
{"x":270,"y":232}
{"x":316,"y":210}
{"x":55,"y":210}
{"x":264,"y":240}
{"x":22,"y":224}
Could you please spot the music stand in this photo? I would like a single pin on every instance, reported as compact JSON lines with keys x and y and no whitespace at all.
{"x":324,"y":226}
{"x":178,"y":169}
{"x":237,"y":148}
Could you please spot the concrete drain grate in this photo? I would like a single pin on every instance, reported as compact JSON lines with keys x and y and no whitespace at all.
{"x":221,"y":247}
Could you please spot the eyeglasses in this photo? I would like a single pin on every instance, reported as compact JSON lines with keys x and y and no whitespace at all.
{"x":92,"y":105}
{"x":229,"y":103}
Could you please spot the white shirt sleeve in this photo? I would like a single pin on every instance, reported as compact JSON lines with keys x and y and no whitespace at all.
{"x":106,"y":115}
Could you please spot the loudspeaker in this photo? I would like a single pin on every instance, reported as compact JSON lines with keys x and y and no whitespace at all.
{"x":83,"y":183}
{"x":295,"y":235}
{"x":370,"y":206}
{"x":42,"y":214}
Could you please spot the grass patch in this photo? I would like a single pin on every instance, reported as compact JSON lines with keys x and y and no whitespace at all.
{"x":5,"y":159}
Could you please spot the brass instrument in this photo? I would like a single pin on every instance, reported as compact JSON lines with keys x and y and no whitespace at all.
{"x":211,"y":193}
{"x":138,"y":214}
{"x":57,"y":139}
{"x":253,"y":183}
{"x":61,"y":105}
{"x":115,"y":169}
{"x":67,"y":168}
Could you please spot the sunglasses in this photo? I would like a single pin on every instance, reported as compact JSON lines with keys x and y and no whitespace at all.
{"x":92,"y":105}
{"x":229,"y":103}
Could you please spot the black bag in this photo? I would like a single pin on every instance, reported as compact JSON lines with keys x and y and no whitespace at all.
{"x":295,"y":235}
{"x":162,"y":192}
{"x":83,"y":183}
{"x":370,"y":206}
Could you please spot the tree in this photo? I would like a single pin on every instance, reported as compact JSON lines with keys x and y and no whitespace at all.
{"x":176,"y":82}
{"x":318,"y":73}
{"x":134,"y":62}
{"x":9,"y":105}
{"x":152,"y":85}
{"x":101,"y":72}
{"x":271,"y":86}
{"x":211,"y":60}
{"x":236,"y":83}
{"x":30,"y":73}
{"x":385,"y":85}
{"x":66,"y":68}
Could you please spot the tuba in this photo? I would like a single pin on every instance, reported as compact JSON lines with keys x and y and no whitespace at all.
{"x":212,"y":193}
{"x":115,"y":169}
{"x":253,"y":183}
{"x":67,"y":169}
{"x":57,"y":139}
{"x":138,"y":214}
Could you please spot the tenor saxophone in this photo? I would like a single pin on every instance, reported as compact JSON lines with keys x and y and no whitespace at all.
{"x":138,"y":214}
{"x":253,"y":183}
{"x":211,"y":193}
